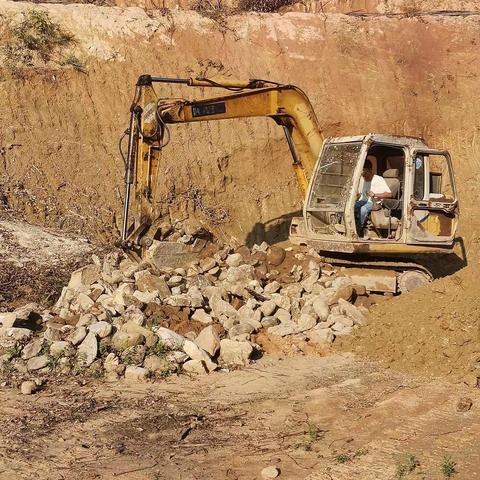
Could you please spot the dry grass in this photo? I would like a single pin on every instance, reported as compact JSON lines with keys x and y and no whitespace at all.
{"x":219,"y":8}
{"x":264,"y":5}
{"x":36,"y":41}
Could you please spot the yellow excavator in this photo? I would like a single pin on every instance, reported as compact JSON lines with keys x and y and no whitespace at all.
{"x":418,"y":221}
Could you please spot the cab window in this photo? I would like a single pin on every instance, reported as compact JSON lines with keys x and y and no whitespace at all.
{"x":433,"y":179}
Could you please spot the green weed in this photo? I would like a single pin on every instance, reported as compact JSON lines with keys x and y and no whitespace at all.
{"x":13,"y":352}
{"x":160,"y":349}
{"x":313,"y":434}
{"x":448,"y":466}
{"x":342,"y":457}
{"x":360,"y":452}
{"x":264,"y":5}
{"x":73,"y":61}
{"x":407,"y":466}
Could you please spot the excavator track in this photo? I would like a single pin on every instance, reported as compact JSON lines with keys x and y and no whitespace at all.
{"x":378,"y":274}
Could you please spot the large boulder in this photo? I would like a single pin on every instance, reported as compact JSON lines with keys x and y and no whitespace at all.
{"x":237,"y":279}
{"x":222,"y":308}
{"x":320,"y":335}
{"x":196,"y":353}
{"x":136,"y":374}
{"x":134,"y":355}
{"x":276,"y":256}
{"x":203,"y":317}
{"x":288,"y":327}
{"x":82,"y":278}
{"x":32,"y":349}
{"x":282,"y":301}
{"x":87,"y":351}
{"x":123,"y":340}
{"x":157,"y":364}
{"x":208,"y":340}
{"x":235,"y":353}
{"x":36,"y":363}
{"x":122,"y":295}
{"x":272,"y":287}
{"x":100,"y":329}
{"x":196,"y":367}
{"x":77,"y":335}
{"x":14,"y":334}
{"x":8,"y":319}
{"x":61,"y":348}
{"x":351,"y":311}
{"x":268,"y":308}
{"x":151,"y":338}
{"x":320,"y":306}
{"x":234,"y":260}
{"x":306,"y":322}
{"x":170,"y":338}
{"x":147,"y":282}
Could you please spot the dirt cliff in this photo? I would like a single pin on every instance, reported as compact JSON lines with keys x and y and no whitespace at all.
{"x":60,"y":125}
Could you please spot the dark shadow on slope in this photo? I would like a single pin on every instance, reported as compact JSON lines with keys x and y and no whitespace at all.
{"x":273,"y":231}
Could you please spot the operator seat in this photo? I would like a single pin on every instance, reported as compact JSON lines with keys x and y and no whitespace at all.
{"x":382,"y":218}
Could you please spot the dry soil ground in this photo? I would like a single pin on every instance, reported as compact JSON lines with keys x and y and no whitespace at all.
{"x":303,"y":414}
{"x":60,"y":167}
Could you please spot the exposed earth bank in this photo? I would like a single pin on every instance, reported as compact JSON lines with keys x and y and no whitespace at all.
{"x":60,"y":162}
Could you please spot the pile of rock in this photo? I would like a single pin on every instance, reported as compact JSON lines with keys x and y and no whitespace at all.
{"x":119,"y":318}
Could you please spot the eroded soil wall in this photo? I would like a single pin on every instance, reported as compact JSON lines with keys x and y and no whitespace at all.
{"x":59,"y":157}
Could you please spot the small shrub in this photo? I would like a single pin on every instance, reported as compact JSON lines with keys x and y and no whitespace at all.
{"x":360,"y":452}
{"x":213,"y":9}
{"x":407,"y":466}
{"x":103,"y":349}
{"x":37,"y":32}
{"x":448,"y":466}
{"x":160,"y":349}
{"x":342,"y":458}
{"x":13,"y":352}
{"x":165,"y":373}
{"x":129,"y":359}
{"x":346,"y":457}
{"x":45,"y":350}
{"x":53,"y":361}
{"x":35,"y":38}
{"x":313,"y":434}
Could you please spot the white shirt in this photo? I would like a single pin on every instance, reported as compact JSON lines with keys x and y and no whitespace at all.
{"x":377,"y":185}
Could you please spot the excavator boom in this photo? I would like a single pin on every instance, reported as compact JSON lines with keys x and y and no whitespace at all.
{"x":149,"y":133}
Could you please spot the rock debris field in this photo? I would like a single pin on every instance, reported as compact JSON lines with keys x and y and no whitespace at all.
{"x":120,"y":319}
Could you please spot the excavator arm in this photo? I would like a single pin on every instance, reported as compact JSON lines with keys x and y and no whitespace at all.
{"x":149,"y":134}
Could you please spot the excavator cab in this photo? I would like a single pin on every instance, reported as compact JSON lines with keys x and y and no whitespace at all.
{"x":420,"y":217}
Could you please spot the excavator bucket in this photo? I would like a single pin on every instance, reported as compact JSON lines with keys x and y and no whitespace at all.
{"x":174,"y":254}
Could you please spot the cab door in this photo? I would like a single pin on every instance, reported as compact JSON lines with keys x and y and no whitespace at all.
{"x":433,"y":206}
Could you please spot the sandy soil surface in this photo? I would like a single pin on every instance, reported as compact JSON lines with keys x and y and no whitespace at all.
{"x":313,"y":418}
{"x":434,"y":330}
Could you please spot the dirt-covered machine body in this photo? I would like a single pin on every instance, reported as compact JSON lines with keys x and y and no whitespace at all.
{"x":420,"y":218}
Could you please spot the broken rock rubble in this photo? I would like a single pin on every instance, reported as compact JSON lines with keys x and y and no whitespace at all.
{"x":135,"y":321}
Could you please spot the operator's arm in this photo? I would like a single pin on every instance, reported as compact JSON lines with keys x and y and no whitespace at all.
{"x":380,"y":188}
{"x":380,"y":196}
